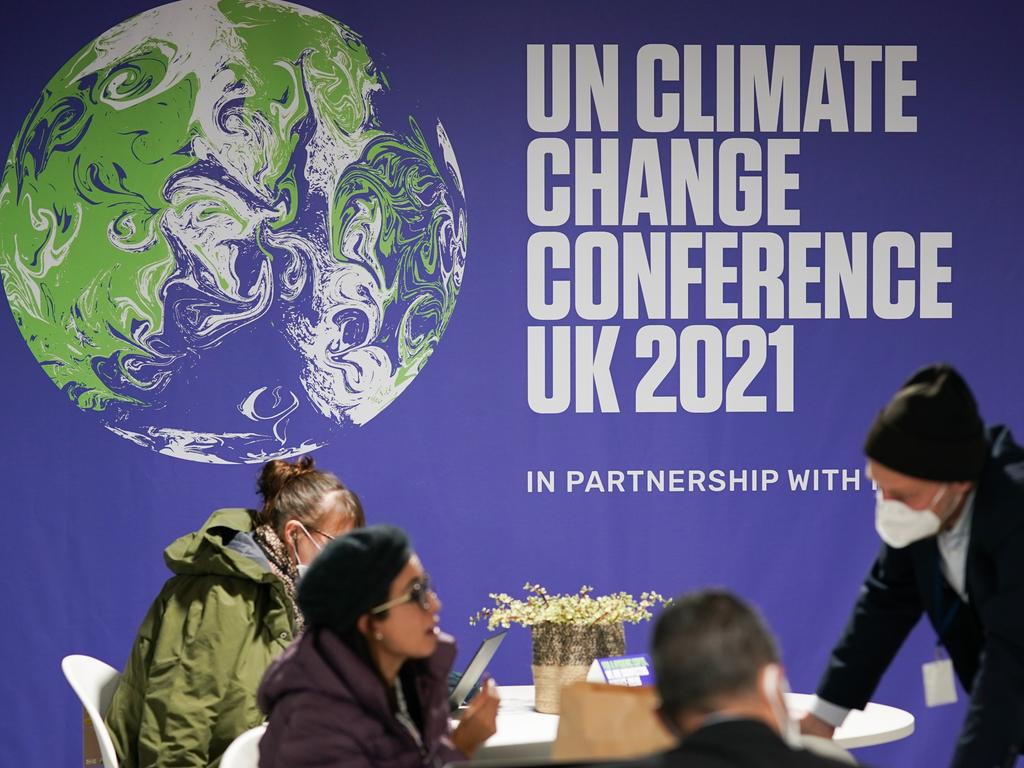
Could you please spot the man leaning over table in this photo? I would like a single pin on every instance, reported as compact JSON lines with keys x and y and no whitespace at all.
{"x":950,"y":511}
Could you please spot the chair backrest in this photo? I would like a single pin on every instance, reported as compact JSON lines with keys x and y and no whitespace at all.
{"x":244,"y":751}
{"x":608,"y":722}
{"x":94,"y":682}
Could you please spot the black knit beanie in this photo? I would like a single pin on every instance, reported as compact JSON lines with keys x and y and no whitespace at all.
{"x":930,"y":429}
{"x":352,"y":575}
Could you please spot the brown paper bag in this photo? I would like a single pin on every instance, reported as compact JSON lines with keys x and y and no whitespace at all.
{"x":600,"y":721}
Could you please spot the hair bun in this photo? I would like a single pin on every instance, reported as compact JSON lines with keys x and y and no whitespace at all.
{"x":276,"y":474}
{"x":296,"y":490}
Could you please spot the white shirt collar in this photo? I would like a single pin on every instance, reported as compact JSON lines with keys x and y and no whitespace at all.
{"x":953,"y":546}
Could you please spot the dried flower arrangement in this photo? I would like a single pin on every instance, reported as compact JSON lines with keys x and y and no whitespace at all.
{"x":581,"y":608}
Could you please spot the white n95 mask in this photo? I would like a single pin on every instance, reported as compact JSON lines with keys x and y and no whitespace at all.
{"x":899,"y":526}
{"x":775,"y":689}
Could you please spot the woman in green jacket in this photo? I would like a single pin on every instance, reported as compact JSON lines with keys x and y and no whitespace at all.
{"x":189,"y":687}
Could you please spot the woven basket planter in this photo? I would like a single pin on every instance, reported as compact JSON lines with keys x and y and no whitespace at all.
{"x":563,"y":653}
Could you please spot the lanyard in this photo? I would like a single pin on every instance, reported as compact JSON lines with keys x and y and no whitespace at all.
{"x":946,"y":615}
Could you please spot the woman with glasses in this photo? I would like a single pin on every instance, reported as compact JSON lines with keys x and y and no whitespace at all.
{"x":189,"y":687}
{"x":367,"y":684}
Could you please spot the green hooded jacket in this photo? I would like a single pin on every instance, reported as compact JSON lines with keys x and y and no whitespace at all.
{"x":189,"y":687}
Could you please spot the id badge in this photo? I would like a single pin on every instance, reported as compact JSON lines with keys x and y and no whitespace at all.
{"x":939,"y":687}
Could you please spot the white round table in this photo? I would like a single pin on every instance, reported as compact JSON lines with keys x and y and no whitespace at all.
{"x":875,"y":724}
{"x":524,"y":733}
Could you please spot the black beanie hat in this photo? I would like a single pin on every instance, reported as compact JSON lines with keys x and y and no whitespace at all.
{"x":352,"y":575}
{"x":930,"y":429}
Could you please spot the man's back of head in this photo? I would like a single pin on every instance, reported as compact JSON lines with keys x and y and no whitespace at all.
{"x":722,"y":686}
{"x":709,"y":650}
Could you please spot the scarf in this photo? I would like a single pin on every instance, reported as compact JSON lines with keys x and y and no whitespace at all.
{"x":281,"y":566}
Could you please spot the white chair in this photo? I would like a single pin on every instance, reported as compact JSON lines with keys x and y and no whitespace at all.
{"x":93,"y":682}
{"x":244,"y":751}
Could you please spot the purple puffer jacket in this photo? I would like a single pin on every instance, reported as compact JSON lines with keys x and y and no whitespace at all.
{"x":327,"y":708}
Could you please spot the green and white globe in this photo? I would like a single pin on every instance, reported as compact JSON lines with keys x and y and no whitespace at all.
{"x":209,"y":240}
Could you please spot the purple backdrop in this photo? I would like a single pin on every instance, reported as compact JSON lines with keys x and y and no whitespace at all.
{"x":89,"y":513}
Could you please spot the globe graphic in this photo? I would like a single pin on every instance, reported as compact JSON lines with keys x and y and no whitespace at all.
{"x":210,"y":241}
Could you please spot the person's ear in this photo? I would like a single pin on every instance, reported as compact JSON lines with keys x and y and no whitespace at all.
{"x":363,"y":625}
{"x":292,"y":531}
{"x":771,"y":692}
{"x":769,"y":678}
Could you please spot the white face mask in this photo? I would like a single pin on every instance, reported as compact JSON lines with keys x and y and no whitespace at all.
{"x":898,"y":525}
{"x":775,"y":689}
{"x":300,"y":566}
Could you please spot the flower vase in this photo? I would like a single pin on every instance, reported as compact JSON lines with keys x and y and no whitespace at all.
{"x":563,"y":653}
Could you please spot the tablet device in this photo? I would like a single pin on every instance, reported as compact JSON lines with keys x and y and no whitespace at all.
{"x":475,"y":670}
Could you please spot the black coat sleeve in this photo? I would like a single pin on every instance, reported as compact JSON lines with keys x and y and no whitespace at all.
{"x":993,"y":730}
{"x":888,"y":607}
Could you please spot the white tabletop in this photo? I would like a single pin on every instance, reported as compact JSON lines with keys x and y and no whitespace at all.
{"x":875,"y":724}
{"x":525,"y":733}
{"x":522,"y":731}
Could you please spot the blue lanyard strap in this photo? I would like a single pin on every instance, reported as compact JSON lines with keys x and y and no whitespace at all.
{"x":947,"y":617}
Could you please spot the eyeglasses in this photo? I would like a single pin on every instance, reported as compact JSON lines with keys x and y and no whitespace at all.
{"x":325,"y":535}
{"x":309,"y":531}
{"x":420,"y":592}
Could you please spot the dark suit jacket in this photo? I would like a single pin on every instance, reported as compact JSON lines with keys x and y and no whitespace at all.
{"x":735,"y":744}
{"x":984,"y":637}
